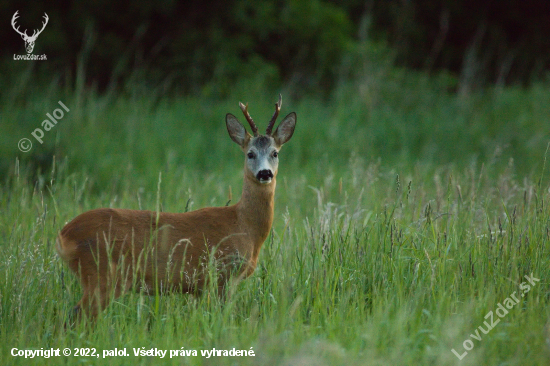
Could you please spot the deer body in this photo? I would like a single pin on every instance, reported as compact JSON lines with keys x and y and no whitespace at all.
{"x":116,"y":250}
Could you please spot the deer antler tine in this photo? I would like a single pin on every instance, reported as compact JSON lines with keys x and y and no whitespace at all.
{"x":16,"y":27}
{"x":46,"y":18}
{"x":253,"y":126}
{"x":275,"y":115}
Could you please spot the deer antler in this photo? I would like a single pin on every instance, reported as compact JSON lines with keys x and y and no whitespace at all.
{"x":35,"y":33}
{"x":275,"y":115}
{"x":43,"y":26}
{"x":15,"y":16}
{"x":244,"y":108}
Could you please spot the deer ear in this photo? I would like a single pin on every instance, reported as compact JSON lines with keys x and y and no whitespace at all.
{"x":284,"y":132}
{"x":236,"y":130}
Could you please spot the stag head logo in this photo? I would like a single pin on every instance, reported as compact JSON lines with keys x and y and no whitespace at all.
{"x":29,"y":40}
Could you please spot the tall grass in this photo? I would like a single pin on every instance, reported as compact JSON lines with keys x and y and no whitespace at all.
{"x":401,"y":117}
{"x":401,"y":220}
{"x":373,"y":266}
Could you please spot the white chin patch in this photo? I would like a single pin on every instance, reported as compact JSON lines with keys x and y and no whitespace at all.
{"x":265,"y":181}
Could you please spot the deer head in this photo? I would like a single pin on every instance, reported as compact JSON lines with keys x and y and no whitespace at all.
{"x":29,"y":41}
{"x":261,"y":151}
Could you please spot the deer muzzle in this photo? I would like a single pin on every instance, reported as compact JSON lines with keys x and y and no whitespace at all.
{"x":264,"y":176}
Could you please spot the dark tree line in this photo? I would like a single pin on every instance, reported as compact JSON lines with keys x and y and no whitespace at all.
{"x":191,"y":45}
{"x":499,"y":41}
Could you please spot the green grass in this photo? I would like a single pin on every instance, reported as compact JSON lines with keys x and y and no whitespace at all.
{"x":402,"y":218}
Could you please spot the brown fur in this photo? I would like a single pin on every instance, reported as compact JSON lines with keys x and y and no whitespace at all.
{"x":114,"y":250}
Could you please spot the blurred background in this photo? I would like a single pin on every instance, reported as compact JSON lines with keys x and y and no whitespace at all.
{"x":403,"y":82}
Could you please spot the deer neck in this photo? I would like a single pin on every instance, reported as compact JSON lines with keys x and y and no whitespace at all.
{"x":255,"y":210}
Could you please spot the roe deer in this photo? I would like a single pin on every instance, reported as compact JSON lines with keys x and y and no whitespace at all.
{"x":116,"y":250}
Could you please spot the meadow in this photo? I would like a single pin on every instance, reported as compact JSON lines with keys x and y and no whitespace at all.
{"x":405,"y":214}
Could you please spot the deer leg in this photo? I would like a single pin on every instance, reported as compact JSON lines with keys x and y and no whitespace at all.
{"x":95,"y":297}
{"x":84,"y":308}
{"x":233,"y":269}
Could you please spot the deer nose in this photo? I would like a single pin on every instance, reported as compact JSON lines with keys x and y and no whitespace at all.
{"x":265,"y":174}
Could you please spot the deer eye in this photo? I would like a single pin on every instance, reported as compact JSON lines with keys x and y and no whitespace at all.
{"x":251,"y":155}
{"x":275,"y":154}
